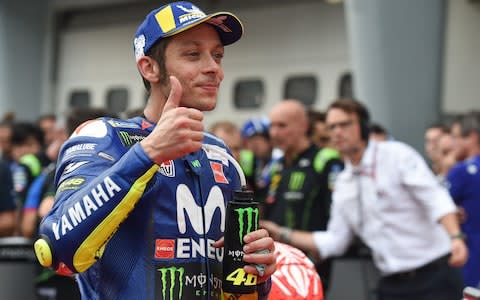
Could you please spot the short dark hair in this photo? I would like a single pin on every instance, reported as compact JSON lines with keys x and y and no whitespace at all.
{"x":157,"y":52}
{"x":440,"y":125}
{"x":22,"y":131}
{"x":314,"y":116}
{"x":46,"y":117}
{"x":350,"y":105}
{"x":353,"y":106}
{"x":470,"y":122}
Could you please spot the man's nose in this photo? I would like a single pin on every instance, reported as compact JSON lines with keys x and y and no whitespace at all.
{"x":211,"y":65}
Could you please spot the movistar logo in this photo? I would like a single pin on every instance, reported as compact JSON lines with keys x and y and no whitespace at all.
{"x":169,"y":277}
{"x":296,"y":181}
{"x":251,"y":216}
{"x":201,"y":218}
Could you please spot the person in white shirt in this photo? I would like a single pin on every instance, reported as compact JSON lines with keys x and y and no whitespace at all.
{"x":388,"y":196}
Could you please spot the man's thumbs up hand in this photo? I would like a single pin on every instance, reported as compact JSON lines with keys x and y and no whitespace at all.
{"x":179,"y":130}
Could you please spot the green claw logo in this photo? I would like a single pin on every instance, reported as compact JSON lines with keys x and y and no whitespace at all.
{"x":169,"y":274}
{"x":252,"y":224}
{"x":297,"y":179}
{"x":125,"y":138}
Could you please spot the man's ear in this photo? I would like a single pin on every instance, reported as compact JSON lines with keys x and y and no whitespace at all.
{"x":149,"y":69}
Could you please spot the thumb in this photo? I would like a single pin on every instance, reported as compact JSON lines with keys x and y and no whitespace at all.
{"x":175,"y":95}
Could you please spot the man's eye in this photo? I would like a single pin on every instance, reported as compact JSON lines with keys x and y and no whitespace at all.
{"x":193,"y":53}
{"x":218,"y":55}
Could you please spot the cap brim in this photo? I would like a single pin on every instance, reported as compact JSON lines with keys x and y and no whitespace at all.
{"x":227,"y":25}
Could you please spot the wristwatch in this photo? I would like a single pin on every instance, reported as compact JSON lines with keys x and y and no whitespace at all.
{"x":460,"y":235}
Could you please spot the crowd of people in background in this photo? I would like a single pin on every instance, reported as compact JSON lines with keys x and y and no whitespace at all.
{"x":289,"y":160}
{"x":29,"y":152}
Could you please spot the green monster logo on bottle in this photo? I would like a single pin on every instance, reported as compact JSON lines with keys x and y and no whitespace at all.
{"x":249,"y":212}
{"x":169,"y":274}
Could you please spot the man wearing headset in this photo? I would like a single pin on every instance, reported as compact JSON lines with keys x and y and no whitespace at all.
{"x":388,"y":197}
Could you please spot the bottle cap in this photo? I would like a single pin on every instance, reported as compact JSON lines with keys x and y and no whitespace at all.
{"x":243,"y":195}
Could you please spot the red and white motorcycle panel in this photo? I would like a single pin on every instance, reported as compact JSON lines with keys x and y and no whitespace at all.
{"x":296,"y":277}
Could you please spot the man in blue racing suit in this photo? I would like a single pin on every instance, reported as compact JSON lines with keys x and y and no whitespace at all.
{"x":140,"y":203}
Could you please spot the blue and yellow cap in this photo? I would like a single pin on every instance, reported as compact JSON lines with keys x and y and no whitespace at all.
{"x":176,"y":17}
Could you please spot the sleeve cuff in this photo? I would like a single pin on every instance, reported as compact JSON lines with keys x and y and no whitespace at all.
{"x":445,"y":208}
{"x":137,"y":148}
{"x":321,"y":240}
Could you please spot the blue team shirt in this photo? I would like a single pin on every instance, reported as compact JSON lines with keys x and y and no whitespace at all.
{"x":463,"y":182}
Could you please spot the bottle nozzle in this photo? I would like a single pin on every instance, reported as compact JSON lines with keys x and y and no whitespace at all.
{"x":243,"y":195}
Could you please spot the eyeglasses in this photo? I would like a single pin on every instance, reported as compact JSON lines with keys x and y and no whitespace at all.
{"x":341,"y":125}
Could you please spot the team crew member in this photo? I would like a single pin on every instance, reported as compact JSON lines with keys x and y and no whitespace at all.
{"x":257,"y":157}
{"x":289,"y":260}
{"x":7,"y":200}
{"x":299,"y":195}
{"x":463,"y":183}
{"x":388,"y":196}
{"x":140,"y":204}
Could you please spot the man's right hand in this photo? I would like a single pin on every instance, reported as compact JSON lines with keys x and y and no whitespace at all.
{"x":179,"y":130}
{"x":459,"y":254}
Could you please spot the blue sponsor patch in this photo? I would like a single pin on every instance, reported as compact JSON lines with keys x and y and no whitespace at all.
{"x":85,"y":149}
{"x":123,"y":124}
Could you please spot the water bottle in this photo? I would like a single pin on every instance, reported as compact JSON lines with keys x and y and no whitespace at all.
{"x":241,"y":219}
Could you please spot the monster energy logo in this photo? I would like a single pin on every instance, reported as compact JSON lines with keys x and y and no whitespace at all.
{"x":169,"y":274}
{"x":196,"y":163}
{"x":129,"y":139}
{"x":251,"y":223}
{"x":296,"y":181}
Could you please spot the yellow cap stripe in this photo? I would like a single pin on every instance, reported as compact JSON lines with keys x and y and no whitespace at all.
{"x":93,"y":246}
{"x":165,"y":19}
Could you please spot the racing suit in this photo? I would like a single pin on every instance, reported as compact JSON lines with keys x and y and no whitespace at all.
{"x":133,"y":229}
